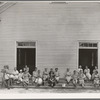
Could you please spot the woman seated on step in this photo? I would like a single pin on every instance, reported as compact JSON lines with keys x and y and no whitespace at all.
{"x":20,"y":76}
{"x":79,"y":68}
{"x":57,"y":75}
{"x":95,"y":69}
{"x":75,"y":78}
{"x":68,"y":76}
{"x":87,"y":73}
{"x":45,"y":76}
{"x":51,"y":79}
{"x":81,"y":78}
{"x":26,"y":68}
{"x":34,"y":76}
{"x":38,"y":80}
{"x":25,"y":78}
{"x":96,"y":79}
{"x":14,"y":75}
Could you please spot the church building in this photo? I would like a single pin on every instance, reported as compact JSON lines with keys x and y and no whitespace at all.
{"x":50,"y":35}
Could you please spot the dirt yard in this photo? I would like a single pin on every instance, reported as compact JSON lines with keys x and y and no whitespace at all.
{"x":32,"y":90}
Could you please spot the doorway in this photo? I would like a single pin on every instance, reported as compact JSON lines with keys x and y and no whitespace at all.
{"x":26,"y":56}
{"x":88,"y":57}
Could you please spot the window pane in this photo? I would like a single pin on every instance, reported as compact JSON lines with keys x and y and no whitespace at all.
{"x":95,"y":45}
{"x":90,"y":44}
{"x":25,"y":43}
{"x":87,"y":44}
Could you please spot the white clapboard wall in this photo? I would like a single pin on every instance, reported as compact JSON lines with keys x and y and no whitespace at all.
{"x":56,"y":28}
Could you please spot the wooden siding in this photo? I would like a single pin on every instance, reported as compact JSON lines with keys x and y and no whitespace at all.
{"x":56,"y":28}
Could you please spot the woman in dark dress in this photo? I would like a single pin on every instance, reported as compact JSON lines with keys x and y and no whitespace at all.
{"x":52,"y":81}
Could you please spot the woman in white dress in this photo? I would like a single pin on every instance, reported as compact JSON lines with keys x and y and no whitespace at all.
{"x":94,"y":71}
{"x":39,"y":80}
{"x":80,"y":68}
{"x":87,"y":73}
{"x":68,"y":76}
{"x":57,"y":75}
{"x":20,"y":76}
{"x":14,"y":76}
{"x":96,"y":79}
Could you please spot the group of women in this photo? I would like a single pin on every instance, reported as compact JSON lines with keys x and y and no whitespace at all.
{"x":50,"y":77}
{"x":80,"y":76}
{"x":24,"y":77}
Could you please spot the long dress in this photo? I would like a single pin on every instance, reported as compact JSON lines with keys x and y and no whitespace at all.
{"x":34,"y":76}
{"x":7,"y":78}
{"x":57,"y":75}
{"x":81,"y":77}
{"x":75,"y":78}
{"x":14,"y":74}
{"x":93,"y":74}
{"x":80,"y":69}
{"x":39,"y":80}
{"x":45,"y":75}
{"x":87,"y":73}
{"x":51,"y":80}
{"x":20,"y":77}
{"x":26,"y":77}
{"x":96,"y":79}
{"x":7,"y":74}
{"x":68,"y":76}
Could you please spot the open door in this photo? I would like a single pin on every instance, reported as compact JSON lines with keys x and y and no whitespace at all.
{"x":88,"y":57}
{"x":26,"y":56}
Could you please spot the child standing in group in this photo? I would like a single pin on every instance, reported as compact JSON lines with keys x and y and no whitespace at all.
{"x":6,"y":77}
{"x":68,"y":76}
{"x":96,"y":79}
{"x":81,"y":77}
{"x":3,"y":71}
{"x":75,"y":78}
{"x":57,"y":75}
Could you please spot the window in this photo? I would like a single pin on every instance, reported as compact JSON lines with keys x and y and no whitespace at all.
{"x":26,"y":44}
{"x":86,"y":44}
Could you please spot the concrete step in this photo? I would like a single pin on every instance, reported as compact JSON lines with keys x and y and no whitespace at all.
{"x":88,"y":85}
{"x":60,"y":84}
{"x":56,"y":87}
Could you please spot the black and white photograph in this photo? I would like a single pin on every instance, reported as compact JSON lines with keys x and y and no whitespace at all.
{"x":49,"y":47}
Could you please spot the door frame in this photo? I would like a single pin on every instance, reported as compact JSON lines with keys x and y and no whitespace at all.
{"x":16,"y":46}
{"x":88,"y":41}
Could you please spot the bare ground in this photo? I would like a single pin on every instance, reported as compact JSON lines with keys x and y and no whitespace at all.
{"x":32,"y":90}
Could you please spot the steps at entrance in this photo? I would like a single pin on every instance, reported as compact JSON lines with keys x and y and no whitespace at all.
{"x":88,"y":85}
{"x":56,"y":87}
